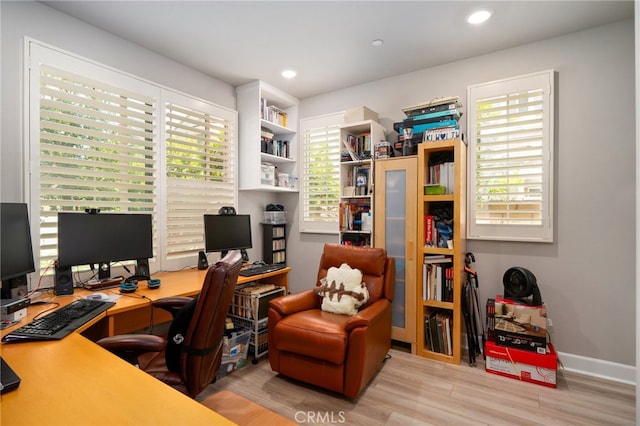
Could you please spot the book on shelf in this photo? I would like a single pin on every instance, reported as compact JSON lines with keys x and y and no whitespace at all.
{"x":437,"y":332}
{"x":358,"y":147}
{"x":454,"y":113}
{"x":436,"y":104}
{"x":419,"y":128}
{"x":350,"y":151}
{"x":430,"y":234}
{"x":426,"y":119}
{"x":437,"y":278}
{"x":443,"y":174}
{"x":351,"y":214}
{"x":272,"y":113}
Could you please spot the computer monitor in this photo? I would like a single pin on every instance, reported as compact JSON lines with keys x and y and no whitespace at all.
{"x":16,"y":252}
{"x":227,"y":232}
{"x":103,"y":238}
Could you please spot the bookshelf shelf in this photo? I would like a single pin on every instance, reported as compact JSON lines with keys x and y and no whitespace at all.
{"x":440,"y":270}
{"x":265,"y":142}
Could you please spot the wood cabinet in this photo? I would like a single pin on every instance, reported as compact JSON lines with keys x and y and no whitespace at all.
{"x":356,"y":181}
{"x":395,"y":227}
{"x":439,"y":289}
{"x":267,"y":113}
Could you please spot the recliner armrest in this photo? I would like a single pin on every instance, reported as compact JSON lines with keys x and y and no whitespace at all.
{"x":172,"y":304}
{"x":368,"y":315}
{"x":292,"y":303}
{"x":133,"y":343}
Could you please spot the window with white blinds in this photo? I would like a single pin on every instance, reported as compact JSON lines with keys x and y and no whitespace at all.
{"x":96,"y":150}
{"x":99,"y":138}
{"x":200,"y":172}
{"x":320,"y":182}
{"x":511,"y":159}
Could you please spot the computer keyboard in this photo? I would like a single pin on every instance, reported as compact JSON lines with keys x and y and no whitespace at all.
{"x":261,"y":269}
{"x":59,"y":323}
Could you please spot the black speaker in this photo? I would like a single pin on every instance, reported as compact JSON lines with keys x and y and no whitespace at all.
{"x":202,"y":260}
{"x":64,"y":281}
{"x":142,"y":268}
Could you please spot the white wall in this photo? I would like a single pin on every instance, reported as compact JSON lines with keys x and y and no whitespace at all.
{"x":587,"y":276}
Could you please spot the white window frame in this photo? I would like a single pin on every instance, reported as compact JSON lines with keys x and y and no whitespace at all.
{"x":37,"y":54}
{"x":307,"y":222}
{"x":478,"y":226}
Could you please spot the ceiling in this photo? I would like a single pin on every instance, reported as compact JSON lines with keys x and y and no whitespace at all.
{"x":329,"y":42}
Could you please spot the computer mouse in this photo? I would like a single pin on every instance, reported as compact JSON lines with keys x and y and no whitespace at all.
{"x":98,"y":296}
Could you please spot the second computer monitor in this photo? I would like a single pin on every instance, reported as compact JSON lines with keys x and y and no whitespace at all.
{"x":227,"y":232}
{"x":102,"y":238}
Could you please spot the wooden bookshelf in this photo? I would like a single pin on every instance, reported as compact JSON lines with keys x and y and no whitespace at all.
{"x":432,"y":306}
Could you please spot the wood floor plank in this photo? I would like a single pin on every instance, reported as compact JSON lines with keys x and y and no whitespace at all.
{"x":410,"y":390}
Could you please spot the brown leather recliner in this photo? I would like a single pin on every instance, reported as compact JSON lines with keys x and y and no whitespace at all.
{"x":337,"y":352}
{"x":190,"y":361}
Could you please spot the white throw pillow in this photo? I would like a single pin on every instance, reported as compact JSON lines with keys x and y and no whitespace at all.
{"x":343,"y":290}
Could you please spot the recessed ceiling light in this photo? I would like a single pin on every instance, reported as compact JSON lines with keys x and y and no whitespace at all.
{"x":479,"y":16}
{"x":289,"y":73}
{"x":377,"y":42}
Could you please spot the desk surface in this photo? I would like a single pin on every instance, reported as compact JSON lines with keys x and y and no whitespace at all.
{"x":75,"y":382}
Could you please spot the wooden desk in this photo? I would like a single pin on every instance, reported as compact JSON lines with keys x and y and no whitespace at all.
{"x":75,"y":382}
{"x":133,"y":311}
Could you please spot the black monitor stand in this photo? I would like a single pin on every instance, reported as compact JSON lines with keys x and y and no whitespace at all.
{"x":104,"y":270}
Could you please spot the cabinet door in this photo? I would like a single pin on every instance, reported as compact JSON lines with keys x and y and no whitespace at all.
{"x":395,"y":230}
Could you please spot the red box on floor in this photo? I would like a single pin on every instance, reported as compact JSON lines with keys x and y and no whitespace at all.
{"x":523,"y":365}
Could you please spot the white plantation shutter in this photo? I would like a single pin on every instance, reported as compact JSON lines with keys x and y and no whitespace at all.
{"x":511,"y":154}
{"x":96,"y":150}
{"x":99,"y":138}
{"x":320,"y":183}
{"x":200,"y":159}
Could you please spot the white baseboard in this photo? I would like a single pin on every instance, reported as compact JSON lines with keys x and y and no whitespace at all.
{"x":598,"y":368}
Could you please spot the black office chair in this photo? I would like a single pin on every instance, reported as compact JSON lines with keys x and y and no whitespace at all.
{"x":189,"y":358}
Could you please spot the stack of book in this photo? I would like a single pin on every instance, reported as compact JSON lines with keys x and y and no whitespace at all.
{"x":437,"y":278}
{"x":435,"y":120}
{"x":356,"y":148}
{"x":438,"y":327}
{"x":272,"y":113}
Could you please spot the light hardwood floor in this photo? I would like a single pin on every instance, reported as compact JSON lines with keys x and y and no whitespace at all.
{"x":410,"y":390}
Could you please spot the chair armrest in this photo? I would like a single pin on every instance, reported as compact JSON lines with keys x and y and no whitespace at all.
{"x":172,"y":304}
{"x":368,"y":315}
{"x":133,"y":343}
{"x":292,"y":303}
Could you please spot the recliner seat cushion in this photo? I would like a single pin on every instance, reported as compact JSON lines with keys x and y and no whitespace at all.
{"x":313,"y":333}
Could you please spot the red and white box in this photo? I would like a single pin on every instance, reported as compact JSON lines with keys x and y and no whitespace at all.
{"x":523,"y":365}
